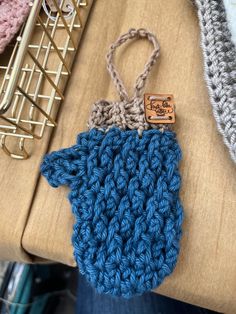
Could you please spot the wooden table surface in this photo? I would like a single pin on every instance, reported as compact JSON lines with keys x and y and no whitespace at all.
{"x":37,"y":221}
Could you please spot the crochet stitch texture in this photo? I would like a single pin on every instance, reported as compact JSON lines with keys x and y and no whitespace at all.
{"x":219,"y":54}
{"x":124,"y":194}
{"x":12,"y":15}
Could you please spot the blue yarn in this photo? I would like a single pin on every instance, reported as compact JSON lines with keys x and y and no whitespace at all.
{"x":125,"y":198}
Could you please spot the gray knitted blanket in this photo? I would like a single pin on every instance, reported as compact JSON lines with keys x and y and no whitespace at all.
{"x":219,"y":54}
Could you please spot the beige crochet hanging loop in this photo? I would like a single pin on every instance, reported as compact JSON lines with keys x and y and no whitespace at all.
{"x":141,"y":80}
{"x":32,"y":82}
{"x":128,"y":113}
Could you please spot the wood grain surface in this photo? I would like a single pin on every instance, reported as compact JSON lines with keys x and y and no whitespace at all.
{"x":206,"y":270}
{"x":18,"y":182}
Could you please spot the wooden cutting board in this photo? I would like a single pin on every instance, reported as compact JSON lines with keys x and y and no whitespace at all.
{"x":18,"y":182}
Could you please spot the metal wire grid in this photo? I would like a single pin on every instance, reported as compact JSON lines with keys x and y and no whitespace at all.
{"x":35,"y":76}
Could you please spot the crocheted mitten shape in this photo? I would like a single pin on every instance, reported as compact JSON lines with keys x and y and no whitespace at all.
{"x":124,"y":191}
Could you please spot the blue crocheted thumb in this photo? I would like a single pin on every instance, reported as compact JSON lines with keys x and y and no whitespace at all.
{"x":59,"y":167}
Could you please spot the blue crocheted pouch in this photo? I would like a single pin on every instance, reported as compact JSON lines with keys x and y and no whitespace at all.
{"x":124,"y":181}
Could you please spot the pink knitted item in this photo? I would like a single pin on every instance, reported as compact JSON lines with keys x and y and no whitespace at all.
{"x":12,"y":14}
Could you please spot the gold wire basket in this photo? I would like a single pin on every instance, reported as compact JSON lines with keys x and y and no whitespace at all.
{"x":33,"y":79}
